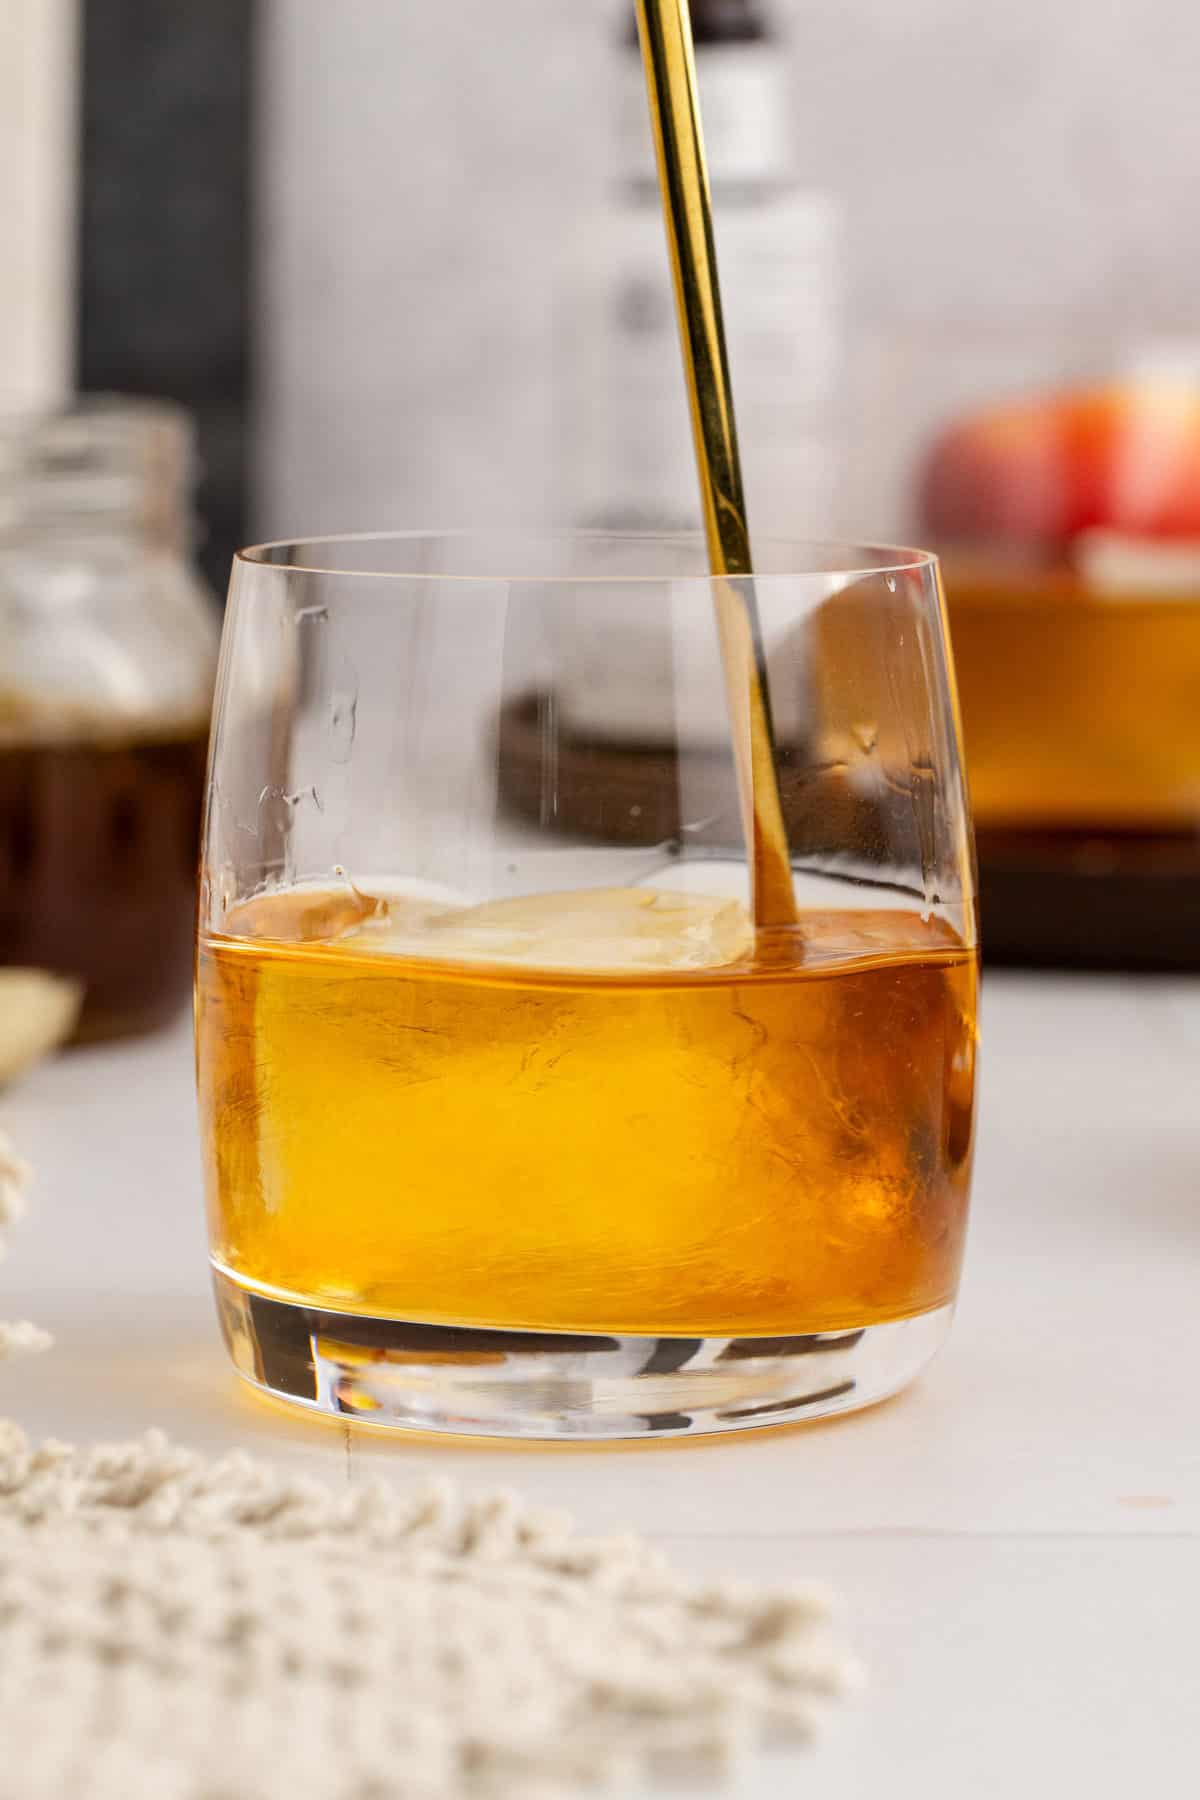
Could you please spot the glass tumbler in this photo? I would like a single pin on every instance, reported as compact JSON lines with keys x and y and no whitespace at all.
{"x":513,"y":1122}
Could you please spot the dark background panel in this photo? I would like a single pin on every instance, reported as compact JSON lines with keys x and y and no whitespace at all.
{"x":164,"y":285}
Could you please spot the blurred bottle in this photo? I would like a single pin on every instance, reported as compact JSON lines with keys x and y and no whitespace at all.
{"x":626,"y":457}
{"x":107,"y":654}
{"x":627,"y":449}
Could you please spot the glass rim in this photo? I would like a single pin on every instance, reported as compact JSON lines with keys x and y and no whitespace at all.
{"x":831,"y":559}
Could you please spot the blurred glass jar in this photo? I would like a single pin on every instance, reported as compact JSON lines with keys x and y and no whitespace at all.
{"x":107,"y":657}
{"x":1058,"y":475}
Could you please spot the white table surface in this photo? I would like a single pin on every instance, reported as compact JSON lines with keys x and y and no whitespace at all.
{"x":1016,"y":1540}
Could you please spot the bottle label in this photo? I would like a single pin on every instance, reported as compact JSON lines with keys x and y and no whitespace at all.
{"x":631,"y":458}
{"x":743,"y":108}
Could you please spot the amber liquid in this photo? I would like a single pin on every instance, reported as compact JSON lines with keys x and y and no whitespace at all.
{"x":698,"y":1144}
{"x":98,"y":847}
{"x":1080,"y":711}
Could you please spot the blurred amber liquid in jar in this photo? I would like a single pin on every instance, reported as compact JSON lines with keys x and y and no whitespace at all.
{"x":107,"y":652}
{"x":1082,"y":711}
{"x":1069,"y":527}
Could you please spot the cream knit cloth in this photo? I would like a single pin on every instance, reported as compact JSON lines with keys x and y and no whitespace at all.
{"x":178,"y":1628}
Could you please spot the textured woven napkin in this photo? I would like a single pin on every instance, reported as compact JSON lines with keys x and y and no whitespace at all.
{"x":181,"y":1628}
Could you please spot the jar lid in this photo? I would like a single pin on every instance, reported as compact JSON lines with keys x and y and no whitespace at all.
{"x":105,"y":462}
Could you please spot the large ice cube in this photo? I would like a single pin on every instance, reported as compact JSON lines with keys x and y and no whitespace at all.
{"x":605,"y":929}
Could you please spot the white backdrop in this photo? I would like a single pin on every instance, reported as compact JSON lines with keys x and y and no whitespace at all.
{"x":38,"y":47}
{"x":422,"y":166}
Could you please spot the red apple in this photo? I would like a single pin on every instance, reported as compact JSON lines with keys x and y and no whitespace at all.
{"x":1040,"y":471}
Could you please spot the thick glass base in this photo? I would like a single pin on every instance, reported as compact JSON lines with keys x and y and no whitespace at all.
{"x":527,"y":1384}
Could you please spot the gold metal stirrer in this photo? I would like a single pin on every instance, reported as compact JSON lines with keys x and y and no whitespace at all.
{"x":665,"y":29}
